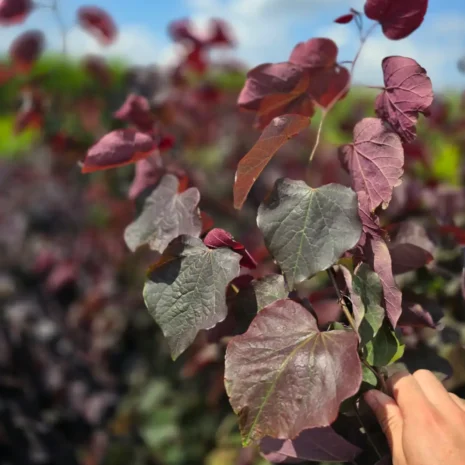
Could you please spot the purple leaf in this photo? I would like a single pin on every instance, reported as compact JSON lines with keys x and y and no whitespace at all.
{"x":315,"y":53}
{"x":217,"y":238}
{"x":317,"y":444}
{"x":136,"y":110}
{"x":280,"y":357}
{"x":398,"y":18}
{"x":14,"y":11}
{"x":146,"y":175}
{"x":378,"y":256}
{"x":411,"y":248}
{"x":118,"y":148}
{"x":166,"y":215}
{"x":375,"y":161}
{"x":98,"y":23}
{"x":414,"y":315}
{"x":408,"y":92}
{"x":26,"y":49}
{"x":344,"y":19}
{"x":275,"y":135}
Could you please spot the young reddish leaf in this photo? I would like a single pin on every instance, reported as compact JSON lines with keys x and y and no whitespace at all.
{"x":14,"y":11}
{"x":307,"y":230}
{"x":398,"y":18}
{"x":408,"y":92}
{"x":316,"y":444}
{"x":136,"y":110}
{"x":274,"y":90}
{"x":280,"y":357}
{"x":166,"y":142}
{"x":414,"y":315}
{"x":380,"y":260}
{"x":275,"y":135}
{"x":182,"y":30}
{"x":118,"y":148}
{"x":411,"y":248}
{"x":375,"y":161}
{"x":315,"y":53}
{"x":146,"y":175}
{"x":344,"y":19}
{"x":217,"y":238}
{"x":26,"y":49}
{"x":186,"y":290}
{"x":165,"y":216}
{"x":98,"y":23}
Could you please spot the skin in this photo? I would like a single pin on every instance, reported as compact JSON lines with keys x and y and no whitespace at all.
{"x":424,"y":424}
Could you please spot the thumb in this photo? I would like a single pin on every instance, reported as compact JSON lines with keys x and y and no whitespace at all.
{"x":389,"y":416}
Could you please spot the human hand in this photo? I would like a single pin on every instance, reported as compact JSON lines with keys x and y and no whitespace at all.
{"x":423,"y":423}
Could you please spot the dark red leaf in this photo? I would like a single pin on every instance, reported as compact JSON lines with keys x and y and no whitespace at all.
{"x":378,"y":256}
{"x":98,"y":23}
{"x":118,"y":148}
{"x":279,"y":357}
{"x":166,"y":142}
{"x":344,"y":19}
{"x":26,"y":49}
{"x":399,"y":18}
{"x":275,"y":135}
{"x":408,"y":92}
{"x":31,"y":113}
{"x":375,"y":161}
{"x":370,"y":221}
{"x":14,"y":11}
{"x":220,"y":33}
{"x":414,"y":315}
{"x":457,"y":233}
{"x":97,"y":67}
{"x":182,"y":30}
{"x":217,"y":238}
{"x":274,"y":90}
{"x":315,"y":53}
{"x":411,"y":248}
{"x":136,"y":110}
{"x":317,"y":444}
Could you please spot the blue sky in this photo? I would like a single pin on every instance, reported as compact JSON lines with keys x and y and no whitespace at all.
{"x":266,"y":30}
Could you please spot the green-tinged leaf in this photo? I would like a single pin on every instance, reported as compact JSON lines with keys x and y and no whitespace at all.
{"x":166,"y":215}
{"x":369,"y":377}
{"x":283,"y":375}
{"x":385,"y":348}
{"x":185,"y":290}
{"x":268,"y":290}
{"x":307,"y":230}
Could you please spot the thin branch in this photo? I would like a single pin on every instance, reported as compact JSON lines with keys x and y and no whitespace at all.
{"x":370,"y":440}
{"x":346,"y":311}
{"x":61,"y":24}
{"x":318,"y":135}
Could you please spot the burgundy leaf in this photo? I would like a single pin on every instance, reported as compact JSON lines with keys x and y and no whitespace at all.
{"x":375,"y":161}
{"x":454,"y":231}
{"x":411,"y":248}
{"x":317,"y":444}
{"x":398,"y":18}
{"x":275,"y":135}
{"x":220,"y":33}
{"x":315,"y":53}
{"x":136,"y":110}
{"x":408,"y":92}
{"x":274,"y":90}
{"x":182,"y":30}
{"x":217,"y":238}
{"x":146,"y":175}
{"x":414,"y":315}
{"x":26,"y":49}
{"x":118,"y":148}
{"x":14,"y":11}
{"x":166,"y":215}
{"x":344,"y":19}
{"x":97,"y":67}
{"x":380,"y":260}
{"x":280,"y":357}
{"x":370,"y":221}
{"x":98,"y":23}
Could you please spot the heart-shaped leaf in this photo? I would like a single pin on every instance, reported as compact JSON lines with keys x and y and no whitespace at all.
{"x":317,"y":444}
{"x":98,"y":23}
{"x":14,"y":11}
{"x":315,"y":53}
{"x":274,"y":90}
{"x":275,"y":135}
{"x":281,"y":356}
{"x":26,"y":49}
{"x":408,"y":91}
{"x":378,"y":256}
{"x":185,"y":290}
{"x":307,"y":230}
{"x":399,"y":18}
{"x":384,"y":349}
{"x":415,"y":316}
{"x":217,"y":238}
{"x":374,"y":160}
{"x":136,"y":110}
{"x":118,"y":148}
{"x":165,"y":216}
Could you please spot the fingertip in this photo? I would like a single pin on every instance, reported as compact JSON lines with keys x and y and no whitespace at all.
{"x":377,"y":399}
